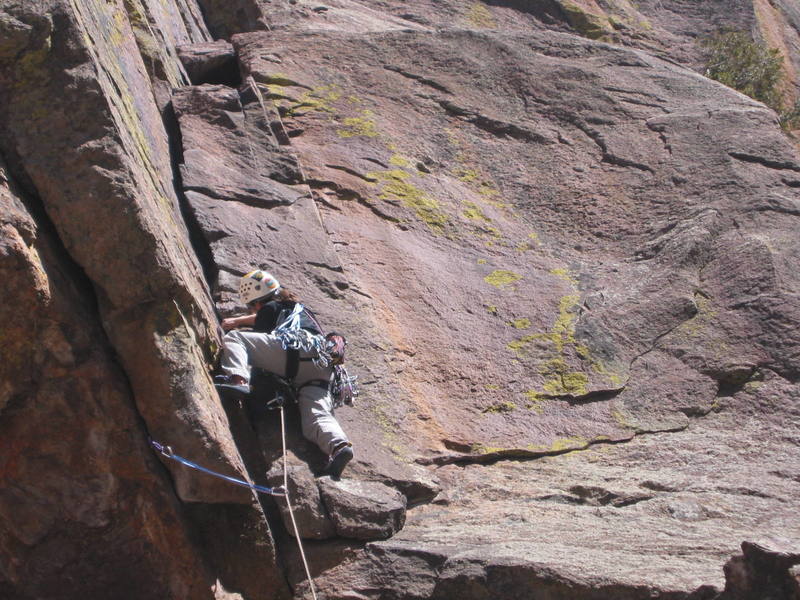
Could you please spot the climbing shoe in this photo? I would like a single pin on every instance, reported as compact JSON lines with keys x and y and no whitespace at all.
{"x":227,"y":388}
{"x":339,"y":461}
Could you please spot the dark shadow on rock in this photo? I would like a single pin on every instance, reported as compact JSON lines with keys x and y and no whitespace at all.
{"x":766,"y":570}
{"x":211,"y":62}
{"x":546,"y":11}
{"x":196,"y":238}
{"x":240,"y":531}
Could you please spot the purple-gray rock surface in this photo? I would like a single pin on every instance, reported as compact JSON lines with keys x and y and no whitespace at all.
{"x":564,"y":259}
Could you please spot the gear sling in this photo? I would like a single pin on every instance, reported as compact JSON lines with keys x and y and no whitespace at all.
{"x":272,"y":391}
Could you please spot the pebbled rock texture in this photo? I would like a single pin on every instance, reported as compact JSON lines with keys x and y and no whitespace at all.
{"x":565,"y":262}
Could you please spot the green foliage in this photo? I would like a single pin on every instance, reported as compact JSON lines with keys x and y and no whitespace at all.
{"x":747,"y":66}
{"x":790,"y":119}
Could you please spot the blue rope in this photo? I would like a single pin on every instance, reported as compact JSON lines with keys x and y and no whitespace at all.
{"x":167,"y":451}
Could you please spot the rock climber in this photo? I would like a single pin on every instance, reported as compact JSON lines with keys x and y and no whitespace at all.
{"x":284,"y":340}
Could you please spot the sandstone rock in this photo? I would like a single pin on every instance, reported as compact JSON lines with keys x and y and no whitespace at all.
{"x":540,"y":247}
{"x":159,"y":29}
{"x":125,"y":313}
{"x":310,"y":513}
{"x":226,"y":18}
{"x":151,"y":294}
{"x":238,"y":544}
{"x":339,"y":15}
{"x":211,"y":62}
{"x":764,"y":570}
{"x":84,"y":507}
{"x":612,"y":159}
{"x":218,"y":138}
{"x":363,"y":510}
{"x":794,"y":573}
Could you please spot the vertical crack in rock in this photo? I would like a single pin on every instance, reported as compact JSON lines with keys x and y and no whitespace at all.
{"x":199,"y":242}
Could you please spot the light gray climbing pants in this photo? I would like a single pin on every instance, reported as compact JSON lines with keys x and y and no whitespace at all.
{"x":243,"y":349}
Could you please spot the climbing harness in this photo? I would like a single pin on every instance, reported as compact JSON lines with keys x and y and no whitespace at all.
{"x":329,"y":350}
{"x":167,"y":452}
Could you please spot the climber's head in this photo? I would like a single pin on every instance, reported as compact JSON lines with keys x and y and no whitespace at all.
{"x":257,"y":286}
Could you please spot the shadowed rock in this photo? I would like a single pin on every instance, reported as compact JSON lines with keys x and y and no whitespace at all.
{"x":766,"y":569}
{"x":310,"y":513}
{"x":211,"y":62}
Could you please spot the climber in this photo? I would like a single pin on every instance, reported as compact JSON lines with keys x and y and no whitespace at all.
{"x":285,"y":340}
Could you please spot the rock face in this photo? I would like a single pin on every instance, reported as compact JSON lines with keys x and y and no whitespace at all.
{"x":310,"y":513}
{"x":363,"y":510}
{"x":78,"y":480}
{"x":128,"y":315}
{"x":565,"y":262}
{"x":766,"y":569}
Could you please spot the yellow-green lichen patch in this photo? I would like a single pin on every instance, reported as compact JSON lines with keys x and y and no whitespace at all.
{"x":359,"y":126}
{"x":478,"y":448}
{"x":319,"y":99}
{"x":698,"y":324}
{"x":395,"y":186}
{"x":502,"y":278}
{"x":500,"y":407}
{"x":588,"y":24}
{"x":569,"y":443}
{"x":522,"y":323}
{"x":564,"y":328}
{"x":284,"y":91}
{"x":535,"y":401}
{"x":560,"y":381}
{"x":622,"y":418}
{"x":491,"y":309}
{"x":600,"y":368}
{"x":466,"y":171}
{"x":482,"y":261}
{"x":490,"y":194}
{"x":473,"y":212}
{"x":522,"y":247}
{"x":398,"y":160}
{"x":117,"y":35}
{"x":279,"y":80}
{"x":480,"y":16}
{"x":490,"y":233}
{"x":560,"y":344}
{"x":566,"y":275}
{"x":465,"y":174}
{"x":521,"y":346}
{"x":388,"y":429}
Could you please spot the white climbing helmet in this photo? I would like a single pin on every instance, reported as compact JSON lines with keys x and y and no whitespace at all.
{"x":257,"y":285}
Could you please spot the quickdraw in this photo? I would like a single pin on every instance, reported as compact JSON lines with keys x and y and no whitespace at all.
{"x":168,"y":453}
